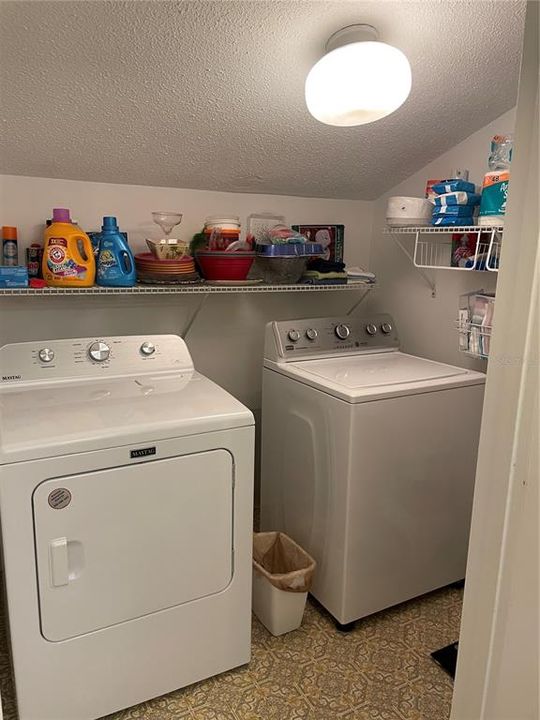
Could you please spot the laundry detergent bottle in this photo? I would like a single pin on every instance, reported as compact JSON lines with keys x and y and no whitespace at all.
{"x":68,"y":260}
{"x":115,"y":262}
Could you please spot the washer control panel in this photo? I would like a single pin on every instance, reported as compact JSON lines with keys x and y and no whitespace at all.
{"x":92,"y":357}
{"x":330,"y":337}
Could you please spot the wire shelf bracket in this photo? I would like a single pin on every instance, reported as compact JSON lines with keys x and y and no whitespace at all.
{"x":411,"y":257}
{"x":359,"y":301}
{"x":194,"y":315}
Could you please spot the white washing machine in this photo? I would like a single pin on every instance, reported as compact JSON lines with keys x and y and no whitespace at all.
{"x":126,"y":514}
{"x":368,"y":460}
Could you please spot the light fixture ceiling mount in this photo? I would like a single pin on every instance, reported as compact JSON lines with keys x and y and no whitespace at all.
{"x":358,"y":80}
{"x":350,"y":34}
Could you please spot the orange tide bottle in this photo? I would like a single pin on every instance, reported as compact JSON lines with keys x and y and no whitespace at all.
{"x":68,"y":257}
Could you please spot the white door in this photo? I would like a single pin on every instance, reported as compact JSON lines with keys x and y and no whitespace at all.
{"x":121,"y":543}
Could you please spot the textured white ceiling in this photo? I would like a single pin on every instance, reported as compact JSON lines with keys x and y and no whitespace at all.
{"x":210,"y":94}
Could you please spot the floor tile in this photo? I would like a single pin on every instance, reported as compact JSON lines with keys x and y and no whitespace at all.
{"x":382,"y":670}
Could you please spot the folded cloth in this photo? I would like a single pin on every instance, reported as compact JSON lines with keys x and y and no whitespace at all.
{"x":457,"y":198}
{"x":326,"y":266}
{"x":324,"y":279}
{"x":448,"y":186}
{"x":360,"y":275}
{"x":310,"y":274}
{"x":455,"y":210}
{"x":450,"y":220}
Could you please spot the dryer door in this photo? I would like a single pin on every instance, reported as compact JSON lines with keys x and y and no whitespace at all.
{"x":121,"y":543}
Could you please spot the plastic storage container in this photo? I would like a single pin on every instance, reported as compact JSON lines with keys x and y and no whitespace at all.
{"x":282,"y":576}
{"x":283,"y":264}
{"x":221,"y":231}
{"x":408,"y":211}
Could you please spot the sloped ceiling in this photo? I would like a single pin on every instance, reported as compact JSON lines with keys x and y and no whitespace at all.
{"x":210,"y":94}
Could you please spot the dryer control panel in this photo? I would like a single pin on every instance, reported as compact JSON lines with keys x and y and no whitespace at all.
{"x":290,"y":340}
{"x":98,"y":357}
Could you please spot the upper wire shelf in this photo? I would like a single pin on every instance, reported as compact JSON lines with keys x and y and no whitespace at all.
{"x":438,"y":230}
{"x":200,"y":289}
{"x":465,"y":247}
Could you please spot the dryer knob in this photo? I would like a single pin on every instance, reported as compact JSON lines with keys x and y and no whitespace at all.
{"x":46,"y":355}
{"x":342,"y":331}
{"x":371,"y":329}
{"x":293,"y":335}
{"x":99,"y":351}
{"x":386,"y":328}
{"x":311,"y":334}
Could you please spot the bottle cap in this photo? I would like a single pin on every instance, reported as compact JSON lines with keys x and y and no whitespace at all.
{"x":61,"y":215}
{"x":9,"y":232}
{"x":109,"y":223}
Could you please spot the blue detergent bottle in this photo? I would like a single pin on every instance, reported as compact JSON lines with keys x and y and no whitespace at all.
{"x":115,"y":262}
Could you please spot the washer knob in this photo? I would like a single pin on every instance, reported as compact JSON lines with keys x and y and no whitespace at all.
{"x":386,"y":328}
{"x":46,"y":355}
{"x":371,"y":329}
{"x":311,"y":334}
{"x":147,"y":348}
{"x":99,"y":351}
{"x":293,"y":335}
{"x":342,"y":331}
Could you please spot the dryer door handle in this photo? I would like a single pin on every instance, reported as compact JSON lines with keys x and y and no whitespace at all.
{"x":58,"y":562}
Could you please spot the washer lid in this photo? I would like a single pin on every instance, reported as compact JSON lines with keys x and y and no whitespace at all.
{"x":364,"y":377}
{"x":393,"y":368}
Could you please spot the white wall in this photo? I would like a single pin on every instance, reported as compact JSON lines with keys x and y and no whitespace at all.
{"x":226,"y":341}
{"x":426,"y":324}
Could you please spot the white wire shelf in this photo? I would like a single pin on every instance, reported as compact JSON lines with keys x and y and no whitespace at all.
{"x":436,"y":248}
{"x":474,"y":339}
{"x":200,"y":289}
{"x":433,"y":230}
{"x":474,"y":323}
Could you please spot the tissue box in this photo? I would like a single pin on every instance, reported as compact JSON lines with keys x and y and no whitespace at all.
{"x":13,"y":277}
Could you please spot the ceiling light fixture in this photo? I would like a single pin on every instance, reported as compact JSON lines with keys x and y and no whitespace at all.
{"x":359,"y":80}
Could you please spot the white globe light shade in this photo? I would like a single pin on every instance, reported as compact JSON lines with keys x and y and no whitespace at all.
{"x":358,"y":83}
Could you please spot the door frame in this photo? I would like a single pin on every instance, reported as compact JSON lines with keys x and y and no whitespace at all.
{"x":497,"y":671}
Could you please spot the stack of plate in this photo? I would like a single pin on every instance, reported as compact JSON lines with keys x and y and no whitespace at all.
{"x":151,"y":270}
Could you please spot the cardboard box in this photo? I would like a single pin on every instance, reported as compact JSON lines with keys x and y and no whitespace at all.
{"x":331,"y":237}
{"x":13,"y":276}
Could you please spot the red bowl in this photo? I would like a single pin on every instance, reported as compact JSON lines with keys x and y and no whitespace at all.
{"x":225,"y":265}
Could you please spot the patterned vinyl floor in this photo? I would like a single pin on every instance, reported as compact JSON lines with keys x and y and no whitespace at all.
{"x":380,"y":671}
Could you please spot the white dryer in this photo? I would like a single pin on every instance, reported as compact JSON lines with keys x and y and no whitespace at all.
{"x":126,"y":514}
{"x":368,"y":460}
